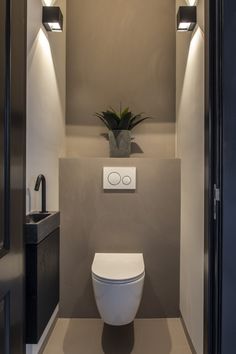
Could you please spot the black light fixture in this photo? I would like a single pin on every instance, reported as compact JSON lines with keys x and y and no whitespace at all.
{"x":52,"y":18}
{"x":186,"y":18}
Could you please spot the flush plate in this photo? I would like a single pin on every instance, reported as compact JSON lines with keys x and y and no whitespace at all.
{"x":119,"y":178}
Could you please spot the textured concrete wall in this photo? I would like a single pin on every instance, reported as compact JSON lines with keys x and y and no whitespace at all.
{"x":120,"y":51}
{"x":146,"y":220}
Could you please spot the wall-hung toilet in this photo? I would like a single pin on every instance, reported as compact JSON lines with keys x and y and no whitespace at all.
{"x":118,"y":280}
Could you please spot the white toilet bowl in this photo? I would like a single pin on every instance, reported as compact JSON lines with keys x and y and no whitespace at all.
{"x":118,"y":280}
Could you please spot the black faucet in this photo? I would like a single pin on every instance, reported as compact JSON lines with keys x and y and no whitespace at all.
{"x":42,"y":179}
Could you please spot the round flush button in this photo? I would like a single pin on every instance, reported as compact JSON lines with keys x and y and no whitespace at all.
{"x":114,"y":178}
{"x":126,"y":180}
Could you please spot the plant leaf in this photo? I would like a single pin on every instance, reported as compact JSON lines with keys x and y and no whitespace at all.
{"x":125,"y":121}
{"x":114,"y":111}
{"x":137,"y":116}
{"x":112,"y":119}
{"x":111,"y":114}
{"x":132,"y":125}
{"x":109,"y":119}
{"x":104,"y":121}
{"x":125,"y":111}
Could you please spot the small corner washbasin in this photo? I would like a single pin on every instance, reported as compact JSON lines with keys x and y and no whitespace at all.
{"x":39,"y":225}
{"x":36,"y":217}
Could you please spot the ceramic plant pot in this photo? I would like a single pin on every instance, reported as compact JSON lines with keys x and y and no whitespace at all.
{"x":120,"y":143}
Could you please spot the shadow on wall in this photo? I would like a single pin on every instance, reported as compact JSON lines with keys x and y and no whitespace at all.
{"x":149,"y":291}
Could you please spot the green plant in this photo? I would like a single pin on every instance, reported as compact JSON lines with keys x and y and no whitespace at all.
{"x":123,"y":120}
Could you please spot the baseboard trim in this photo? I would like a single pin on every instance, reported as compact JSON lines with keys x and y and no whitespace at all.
{"x":39,"y":347}
{"x":187,"y":335}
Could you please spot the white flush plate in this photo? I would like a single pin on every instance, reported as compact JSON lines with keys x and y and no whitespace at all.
{"x":119,"y":178}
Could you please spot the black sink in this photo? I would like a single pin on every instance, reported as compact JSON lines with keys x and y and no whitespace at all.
{"x":42,"y":236}
{"x":39,"y":225}
{"x":34,"y":218}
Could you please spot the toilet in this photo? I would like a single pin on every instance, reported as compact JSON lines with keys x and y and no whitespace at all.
{"x":118,"y":280}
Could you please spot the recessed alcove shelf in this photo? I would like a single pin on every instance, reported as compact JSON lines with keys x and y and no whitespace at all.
{"x":156,"y":140}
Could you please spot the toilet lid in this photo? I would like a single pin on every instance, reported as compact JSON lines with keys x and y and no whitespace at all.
{"x":118,"y":266}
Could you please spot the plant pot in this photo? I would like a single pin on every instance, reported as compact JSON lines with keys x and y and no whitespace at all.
{"x":120,"y":143}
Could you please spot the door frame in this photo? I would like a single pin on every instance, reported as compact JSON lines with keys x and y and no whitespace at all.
{"x":13,"y":157}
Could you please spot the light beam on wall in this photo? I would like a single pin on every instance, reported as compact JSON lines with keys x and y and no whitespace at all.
{"x":48,"y":2}
{"x":43,"y":41}
{"x":192,"y":2}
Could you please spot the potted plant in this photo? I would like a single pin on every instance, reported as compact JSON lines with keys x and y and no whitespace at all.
{"x":119,"y":125}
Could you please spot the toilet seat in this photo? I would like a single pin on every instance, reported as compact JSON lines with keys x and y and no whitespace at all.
{"x":110,"y":281}
{"x":118,"y":268}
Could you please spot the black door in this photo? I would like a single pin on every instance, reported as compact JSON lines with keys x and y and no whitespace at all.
{"x":213,"y":181}
{"x":228,"y":186}
{"x":12,"y":174}
{"x":221,"y":71}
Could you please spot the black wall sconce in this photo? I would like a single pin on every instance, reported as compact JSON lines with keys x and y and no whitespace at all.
{"x":52,"y":18}
{"x":186,"y":18}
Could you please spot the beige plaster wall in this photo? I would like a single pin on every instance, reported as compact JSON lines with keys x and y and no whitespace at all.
{"x":46,"y":54}
{"x":190,"y":149}
{"x":94,"y":220}
{"x":121,"y":51}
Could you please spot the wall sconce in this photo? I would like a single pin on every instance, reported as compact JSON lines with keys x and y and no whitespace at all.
{"x":186,"y":18}
{"x":52,"y":18}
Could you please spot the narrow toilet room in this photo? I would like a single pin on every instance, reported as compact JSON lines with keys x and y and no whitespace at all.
{"x":114,"y":233}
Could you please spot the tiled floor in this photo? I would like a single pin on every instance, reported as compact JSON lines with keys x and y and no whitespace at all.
{"x":85,"y":336}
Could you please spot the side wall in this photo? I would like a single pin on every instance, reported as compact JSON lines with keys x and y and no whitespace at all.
{"x":45,"y":105}
{"x":122,"y":51}
{"x":190,"y":149}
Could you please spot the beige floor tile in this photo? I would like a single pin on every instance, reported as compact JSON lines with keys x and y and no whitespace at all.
{"x":86,"y":336}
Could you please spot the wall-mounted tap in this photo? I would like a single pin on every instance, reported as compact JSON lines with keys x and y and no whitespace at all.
{"x":41,"y":178}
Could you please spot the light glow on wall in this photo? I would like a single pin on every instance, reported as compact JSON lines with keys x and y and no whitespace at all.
{"x":192,"y":2}
{"x":48,"y":2}
{"x":45,"y":123}
{"x":184,"y":25}
{"x":190,"y":145}
{"x":44,"y":43}
{"x":55,"y":26}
